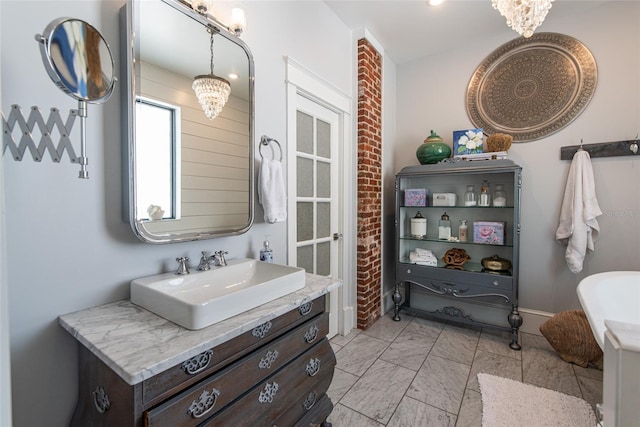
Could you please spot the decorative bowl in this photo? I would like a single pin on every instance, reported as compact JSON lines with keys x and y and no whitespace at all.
{"x":495,"y":263}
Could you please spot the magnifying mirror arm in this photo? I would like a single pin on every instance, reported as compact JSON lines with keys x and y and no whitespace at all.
{"x":82,"y":159}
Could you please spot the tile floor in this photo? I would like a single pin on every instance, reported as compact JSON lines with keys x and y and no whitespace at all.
{"x":420,"y":372}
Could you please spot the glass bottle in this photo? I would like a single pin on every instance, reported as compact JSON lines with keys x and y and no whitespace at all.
{"x":485,"y":194}
{"x":444,"y":227}
{"x":418,"y":226}
{"x":500,"y":196}
{"x":462,"y":230}
{"x":470,"y":196}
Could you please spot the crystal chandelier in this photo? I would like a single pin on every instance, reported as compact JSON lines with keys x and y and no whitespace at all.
{"x":212,"y":91}
{"x":523,"y":16}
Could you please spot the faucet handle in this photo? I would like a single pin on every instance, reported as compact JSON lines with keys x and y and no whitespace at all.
{"x":219,"y":256}
{"x":183,"y":268}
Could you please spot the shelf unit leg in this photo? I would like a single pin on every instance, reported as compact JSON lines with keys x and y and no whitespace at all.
{"x":397,"y":299}
{"x":515,"y":320}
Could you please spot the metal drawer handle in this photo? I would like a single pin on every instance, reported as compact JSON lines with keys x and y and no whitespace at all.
{"x":268,"y":359}
{"x":269,"y":392}
{"x":101,"y":400}
{"x":313,"y":367}
{"x":306,"y":308}
{"x":204,"y":404}
{"x":310,"y":400}
{"x":261,"y":331}
{"x":311,"y":334}
{"x":197,"y":363}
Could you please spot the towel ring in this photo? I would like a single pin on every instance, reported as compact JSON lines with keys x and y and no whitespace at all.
{"x":265,"y":140}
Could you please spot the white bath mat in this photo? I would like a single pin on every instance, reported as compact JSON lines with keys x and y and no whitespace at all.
{"x":512,"y":403}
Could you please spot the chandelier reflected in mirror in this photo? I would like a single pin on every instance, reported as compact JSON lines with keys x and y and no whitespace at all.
{"x":523,"y":16}
{"x":212,"y":91}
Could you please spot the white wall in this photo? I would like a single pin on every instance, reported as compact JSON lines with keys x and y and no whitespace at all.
{"x":5,"y":367}
{"x":431,"y":95}
{"x":68,"y":248}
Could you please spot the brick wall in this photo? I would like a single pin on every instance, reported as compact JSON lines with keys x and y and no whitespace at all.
{"x":369,"y":270}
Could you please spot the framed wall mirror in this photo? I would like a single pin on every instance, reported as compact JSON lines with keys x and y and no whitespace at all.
{"x":186,"y":176}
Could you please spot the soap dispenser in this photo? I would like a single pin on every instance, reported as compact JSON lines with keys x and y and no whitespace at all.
{"x":266,"y":253}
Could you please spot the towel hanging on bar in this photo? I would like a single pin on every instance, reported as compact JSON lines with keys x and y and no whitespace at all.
{"x":271,"y":190}
{"x":578,"y":227}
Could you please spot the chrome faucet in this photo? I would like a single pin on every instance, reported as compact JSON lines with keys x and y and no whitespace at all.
{"x":183,"y":268}
{"x":219,"y":257}
{"x":205,"y":262}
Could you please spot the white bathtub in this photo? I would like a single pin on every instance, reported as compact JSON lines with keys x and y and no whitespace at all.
{"x":613,"y":295}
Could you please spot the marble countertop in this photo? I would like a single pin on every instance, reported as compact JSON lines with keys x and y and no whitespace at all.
{"x":138,"y":344}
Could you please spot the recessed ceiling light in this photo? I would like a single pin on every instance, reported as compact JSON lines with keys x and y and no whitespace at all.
{"x":233,"y":76}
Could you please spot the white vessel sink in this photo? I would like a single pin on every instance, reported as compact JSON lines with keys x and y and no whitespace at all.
{"x":202,"y":298}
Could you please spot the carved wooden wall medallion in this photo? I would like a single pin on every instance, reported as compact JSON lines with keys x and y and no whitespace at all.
{"x":531,"y":88}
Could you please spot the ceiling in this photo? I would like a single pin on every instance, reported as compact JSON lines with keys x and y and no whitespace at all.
{"x":411,"y":29}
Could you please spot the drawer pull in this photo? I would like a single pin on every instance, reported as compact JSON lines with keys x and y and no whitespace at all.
{"x":268,"y":359}
{"x":311,"y":334}
{"x":101,"y":400}
{"x":204,"y":404}
{"x":310,"y":400}
{"x":313,"y":367}
{"x":261,"y":331}
{"x":197,"y":363}
{"x":305,"y":308}
{"x":269,"y":392}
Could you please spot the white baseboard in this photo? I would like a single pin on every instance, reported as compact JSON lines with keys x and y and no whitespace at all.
{"x":348,"y":320}
{"x":532,"y":319}
{"x":387,"y":301}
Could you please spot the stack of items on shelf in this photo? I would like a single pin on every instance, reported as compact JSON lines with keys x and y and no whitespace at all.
{"x":423,"y":257}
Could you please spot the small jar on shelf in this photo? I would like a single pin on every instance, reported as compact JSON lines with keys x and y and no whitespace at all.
{"x":463,"y":230}
{"x":418,"y":226}
{"x":485,"y":194}
{"x":444,"y":227}
{"x":470,"y":196}
{"x":500,"y":196}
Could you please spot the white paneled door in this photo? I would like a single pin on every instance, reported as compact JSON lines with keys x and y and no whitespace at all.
{"x":314,"y":225}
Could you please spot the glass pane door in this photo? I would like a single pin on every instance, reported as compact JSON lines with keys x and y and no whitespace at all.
{"x":316,"y":188}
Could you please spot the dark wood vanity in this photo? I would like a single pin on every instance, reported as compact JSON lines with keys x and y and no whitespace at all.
{"x":275,"y":374}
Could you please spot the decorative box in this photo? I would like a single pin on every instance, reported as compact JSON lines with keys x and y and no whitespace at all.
{"x":488,"y":232}
{"x":444,"y":199}
{"x":416,"y":197}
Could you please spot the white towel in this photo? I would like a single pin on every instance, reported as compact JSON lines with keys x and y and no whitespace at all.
{"x":271,"y":191}
{"x":423,"y":257}
{"x":578,"y":227}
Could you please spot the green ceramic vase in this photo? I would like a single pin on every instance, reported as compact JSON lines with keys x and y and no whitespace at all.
{"x":432,"y":150}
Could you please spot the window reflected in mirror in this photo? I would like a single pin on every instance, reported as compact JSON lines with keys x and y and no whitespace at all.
{"x":157,"y":159}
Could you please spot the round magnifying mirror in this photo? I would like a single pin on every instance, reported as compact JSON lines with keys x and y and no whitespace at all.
{"x":78,"y":59}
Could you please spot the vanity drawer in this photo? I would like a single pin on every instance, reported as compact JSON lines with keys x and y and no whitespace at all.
{"x":312,"y":407}
{"x":214,"y":393}
{"x":272,"y":399}
{"x":171,"y":381}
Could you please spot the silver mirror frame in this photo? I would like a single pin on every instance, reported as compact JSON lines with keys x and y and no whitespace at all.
{"x":127,"y":41}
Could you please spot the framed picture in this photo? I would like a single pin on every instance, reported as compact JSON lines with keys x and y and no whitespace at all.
{"x":467,"y":142}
